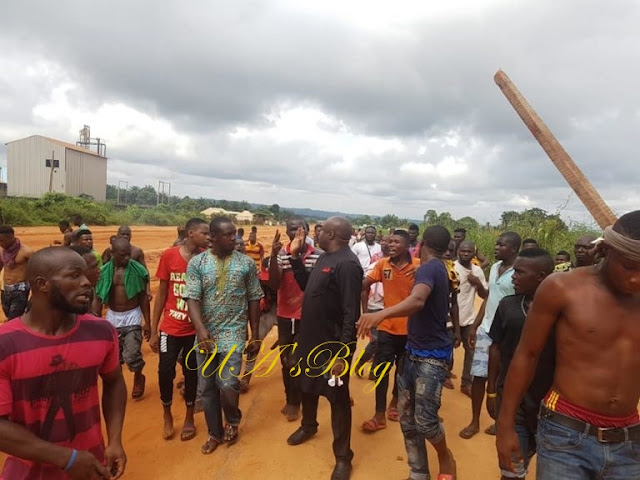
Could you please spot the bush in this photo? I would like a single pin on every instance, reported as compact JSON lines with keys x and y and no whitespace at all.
{"x":53,"y":207}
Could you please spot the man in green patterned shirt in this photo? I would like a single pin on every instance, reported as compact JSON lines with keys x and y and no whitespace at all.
{"x":222,"y":286}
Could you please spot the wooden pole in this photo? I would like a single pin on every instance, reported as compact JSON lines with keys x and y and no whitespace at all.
{"x":52,"y":160}
{"x":585,"y":191}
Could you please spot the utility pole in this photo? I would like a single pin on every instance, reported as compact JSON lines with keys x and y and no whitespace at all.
{"x":123,"y":186}
{"x":52,"y":163}
{"x":164,"y":192}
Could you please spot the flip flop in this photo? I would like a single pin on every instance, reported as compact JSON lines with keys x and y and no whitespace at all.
{"x":230,"y":434}
{"x":450,"y":476}
{"x":468,"y":432}
{"x":372,"y":425}
{"x":188,"y":432}
{"x":393,"y":414}
{"x":210,"y":445}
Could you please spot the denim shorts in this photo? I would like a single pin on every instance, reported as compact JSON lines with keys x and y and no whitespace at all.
{"x":567,"y":454}
{"x":480,"y":364}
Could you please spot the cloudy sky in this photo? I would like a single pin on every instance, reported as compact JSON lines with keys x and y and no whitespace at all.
{"x":360,"y":106}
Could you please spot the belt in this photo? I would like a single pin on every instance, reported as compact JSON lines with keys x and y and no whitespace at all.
{"x":604,"y":435}
{"x":434,"y":361}
{"x":17,"y":287}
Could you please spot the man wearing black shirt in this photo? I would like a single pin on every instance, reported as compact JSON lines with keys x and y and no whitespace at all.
{"x":330,"y":308}
{"x":530,"y":267}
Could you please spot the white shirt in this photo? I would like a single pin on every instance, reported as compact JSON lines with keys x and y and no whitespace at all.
{"x":366,"y":252}
{"x":376,"y":292}
{"x":467,"y":293}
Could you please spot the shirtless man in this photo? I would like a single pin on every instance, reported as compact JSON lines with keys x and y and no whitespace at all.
{"x":589,"y":425}
{"x":137,"y":253}
{"x":67,"y":233}
{"x":13,"y":259}
{"x":123,"y":286}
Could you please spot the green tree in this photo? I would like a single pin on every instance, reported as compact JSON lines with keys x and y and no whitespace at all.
{"x":390,"y":221}
{"x":112,"y":192}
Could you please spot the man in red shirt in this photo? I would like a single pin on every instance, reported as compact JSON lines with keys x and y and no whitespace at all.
{"x":289,"y":307}
{"x":175,"y":333}
{"x":50,"y":359}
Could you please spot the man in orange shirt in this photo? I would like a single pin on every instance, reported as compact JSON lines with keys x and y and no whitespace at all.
{"x":254,"y":250}
{"x":396,"y":273}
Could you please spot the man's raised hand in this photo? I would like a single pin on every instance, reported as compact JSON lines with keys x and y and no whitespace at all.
{"x":297,"y":243}
{"x":276,"y":245}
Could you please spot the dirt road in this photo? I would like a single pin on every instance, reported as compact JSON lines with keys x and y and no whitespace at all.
{"x":262,"y":451}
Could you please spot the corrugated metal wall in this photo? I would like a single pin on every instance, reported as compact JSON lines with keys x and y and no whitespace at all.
{"x":86,"y":174}
{"x":27,"y":174}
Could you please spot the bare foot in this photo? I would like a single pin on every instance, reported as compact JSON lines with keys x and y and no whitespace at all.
{"x":466,"y":390}
{"x":469,"y":431}
{"x":167,"y":430}
{"x":291,"y":412}
{"x":244,"y":385}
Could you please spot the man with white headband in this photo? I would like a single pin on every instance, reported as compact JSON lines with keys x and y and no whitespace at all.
{"x":589,"y":425}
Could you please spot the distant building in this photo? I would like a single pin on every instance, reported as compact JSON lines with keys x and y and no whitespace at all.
{"x":219,"y":212}
{"x":244,"y":217}
{"x":77,"y":170}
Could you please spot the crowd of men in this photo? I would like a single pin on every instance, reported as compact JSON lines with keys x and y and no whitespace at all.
{"x":551,"y":349}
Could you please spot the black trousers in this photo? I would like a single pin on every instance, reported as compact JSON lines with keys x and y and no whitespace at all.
{"x":340,"y":420}
{"x":288,"y":331}
{"x":170,"y":348}
{"x":390,"y":349}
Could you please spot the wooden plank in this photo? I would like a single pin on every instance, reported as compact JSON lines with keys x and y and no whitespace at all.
{"x":583,"y":188}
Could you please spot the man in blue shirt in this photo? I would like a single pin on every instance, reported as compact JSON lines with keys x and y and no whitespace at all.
{"x":423,"y":370}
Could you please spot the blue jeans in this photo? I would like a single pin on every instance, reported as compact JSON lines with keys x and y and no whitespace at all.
{"x":419,"y":393}
{"x":564,"y":453}
{"x":220,"y":387}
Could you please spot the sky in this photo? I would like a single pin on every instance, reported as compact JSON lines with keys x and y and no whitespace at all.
{"x":368,"y":107}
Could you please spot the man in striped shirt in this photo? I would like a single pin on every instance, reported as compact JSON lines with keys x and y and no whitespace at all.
{"x":289,"y":307}
{"x":254,"y":249}
{"x":50,"y":360}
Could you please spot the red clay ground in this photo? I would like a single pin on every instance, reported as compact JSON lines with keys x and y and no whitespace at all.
{"x":262,"y":451}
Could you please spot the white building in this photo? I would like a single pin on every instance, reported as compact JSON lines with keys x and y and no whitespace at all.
{"x":77,"y":170}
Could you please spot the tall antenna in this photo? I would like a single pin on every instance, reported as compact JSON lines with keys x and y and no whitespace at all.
{"x":87,"y":142}
{"x":164,"y":192}
{"x":123,"y":188}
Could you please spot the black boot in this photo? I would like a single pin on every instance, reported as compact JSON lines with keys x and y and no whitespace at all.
{"x":342,"y":470}
{"x":300,"y":436}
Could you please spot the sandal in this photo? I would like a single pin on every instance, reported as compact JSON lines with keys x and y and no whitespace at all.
{"x":188,"y":432}
{"x":393,"y":414}
{"x":230,"y":434}
{"x":210,"y":445}
{"x":138,"y":388}
{"x":372,"y":425}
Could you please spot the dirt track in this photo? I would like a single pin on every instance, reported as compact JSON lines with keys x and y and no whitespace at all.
{"x":262,"y":451}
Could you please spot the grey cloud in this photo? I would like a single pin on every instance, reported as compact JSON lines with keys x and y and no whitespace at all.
{"x":208,"y":67}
